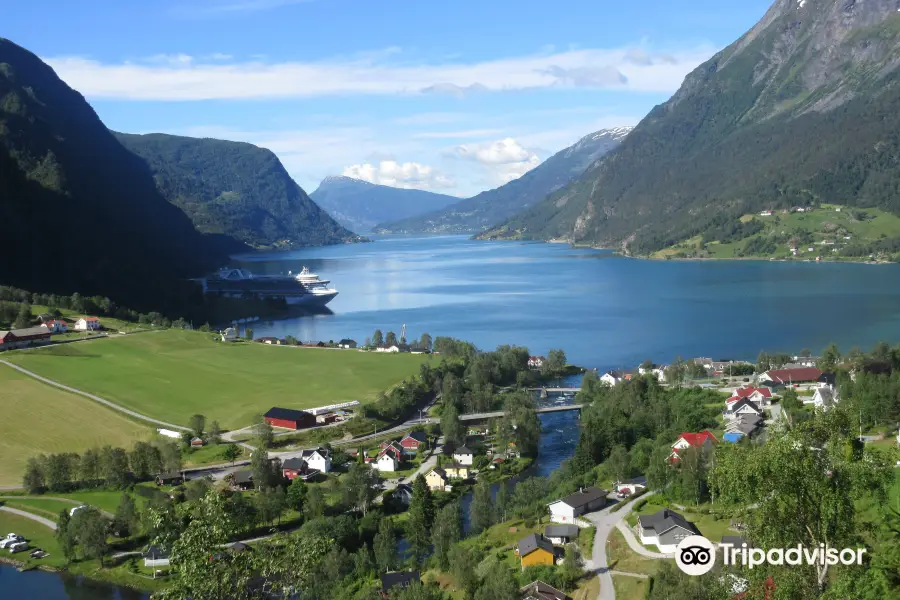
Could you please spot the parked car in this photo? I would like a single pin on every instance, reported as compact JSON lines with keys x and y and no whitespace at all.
{"x":10,"y":539}
{"x":18,"y":547}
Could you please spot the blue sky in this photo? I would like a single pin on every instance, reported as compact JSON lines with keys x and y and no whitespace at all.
{"x":454,"y":97}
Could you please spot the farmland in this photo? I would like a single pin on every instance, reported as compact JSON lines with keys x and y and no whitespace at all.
{"x":173,"y":374}
{"x":38,"y":419}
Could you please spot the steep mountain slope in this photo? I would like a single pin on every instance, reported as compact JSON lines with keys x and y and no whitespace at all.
{"x":235,"y":189}
{"x":79,"y":212}
{"x":494,"y":206}
{"x":359,"y":205}
{"x":803,"y":109}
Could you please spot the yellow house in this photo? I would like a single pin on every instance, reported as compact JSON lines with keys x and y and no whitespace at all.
{"x":535,"y":549}
{"x":457,"y":470}
{"x":436,"y":479}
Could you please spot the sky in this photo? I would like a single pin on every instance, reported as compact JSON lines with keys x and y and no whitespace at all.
{"x":452,"y":97}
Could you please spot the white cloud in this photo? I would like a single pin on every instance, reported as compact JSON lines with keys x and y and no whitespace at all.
{"x":633,"y":69}
{"x":402,"y":175}
{"x":505,"y":159}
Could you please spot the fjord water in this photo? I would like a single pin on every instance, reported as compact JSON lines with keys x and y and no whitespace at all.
{"x":605,"y":311}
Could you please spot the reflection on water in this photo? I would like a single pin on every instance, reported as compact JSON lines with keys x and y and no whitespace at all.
{"x":39,"y":585}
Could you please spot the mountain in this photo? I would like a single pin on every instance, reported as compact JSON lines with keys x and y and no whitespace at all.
{"x":79,"y":211}
{"x":495,"y":206}
{"x":359,"y":205}
{"x":235,"y":189}
{"x":804,"y":109}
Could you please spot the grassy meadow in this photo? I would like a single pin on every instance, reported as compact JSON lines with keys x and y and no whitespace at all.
{"x":37,"y":418}
{"x":173,"y":374}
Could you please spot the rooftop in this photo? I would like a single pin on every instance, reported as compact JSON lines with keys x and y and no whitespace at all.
{"x":532,"y":542}
{"x":584,"y":496}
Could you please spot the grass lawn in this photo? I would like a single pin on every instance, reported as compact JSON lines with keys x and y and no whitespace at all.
{"x":40,"y":506}
{"x":630,"y":588}
{"x":109,"y":323}
{"x":107,"y":500}
{"x":588,"y":589}
{"x":210,"y":454}
{"x":38,"y":418}
{"x":174,"y":374}
{"x":623,"y":558}
{"x":38,"y":536}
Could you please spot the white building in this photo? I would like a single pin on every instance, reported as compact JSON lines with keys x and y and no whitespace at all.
{"x":229,"y":335}
{"x":825,"y":397}
{"x":586,"y":500}
{"x":386,"y":348}
{"x":318,"y":459}
{"x":385,"y":463}
{"x":169,"y":433}
{"x":463,"y":456}
{"x":87,"y":324}
{"x":55,"y":326}
{"x":612,"y":377}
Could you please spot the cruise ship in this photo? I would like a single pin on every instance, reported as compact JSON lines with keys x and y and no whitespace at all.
{"x":303,"y":289}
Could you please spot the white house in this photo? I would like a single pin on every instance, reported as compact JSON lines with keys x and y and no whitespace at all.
{"x":536,"y":362}
{"x":612,"y":377}
{"x":743,"y":406}
{"x":169,"y":433}
{"x":586,"y":500}
{"x":229,"y":335}
{"x":386,"y":348}
{"x":665,"y":529}
{"x":463,"y":456}
{"x":385,"y":463}
{"x":155,"y":556}
{"x":318,"y":459}
{"x":87,"y":324}
{"x":55,"y":326}
{"x":825,"y":397}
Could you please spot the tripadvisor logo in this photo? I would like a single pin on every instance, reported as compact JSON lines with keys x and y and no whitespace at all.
{"x":696,"y":555}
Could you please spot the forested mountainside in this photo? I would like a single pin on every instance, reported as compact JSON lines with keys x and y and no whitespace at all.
{"x":79,"y":211}
{"x":804,"y":109}
{"x":235,"y":189}
{"x":359,"y":205}
{"x":494,"y":206}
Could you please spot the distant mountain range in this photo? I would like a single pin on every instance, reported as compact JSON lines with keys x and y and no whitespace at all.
{"x":494,"y":206}
{"x":359,"y":205}
{"x":803,"y":109}
{"x":235,"y":189}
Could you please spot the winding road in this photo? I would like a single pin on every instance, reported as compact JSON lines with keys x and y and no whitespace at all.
{"x":28,"y":515}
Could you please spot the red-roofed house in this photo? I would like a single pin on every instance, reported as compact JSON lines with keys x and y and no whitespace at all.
{"x":703,"y":441}
{"x":759,"y":396}
{"x":791,"y":376}
{"x":87,"y":324}
{"x":55,"y":326}
{"x":536,"y":362}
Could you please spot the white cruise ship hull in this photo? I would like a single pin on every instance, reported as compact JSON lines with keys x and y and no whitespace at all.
{"x":311,"y":299}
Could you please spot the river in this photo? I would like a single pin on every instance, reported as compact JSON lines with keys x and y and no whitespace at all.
{"x":40,"y":585}
{"x":606,"y":311}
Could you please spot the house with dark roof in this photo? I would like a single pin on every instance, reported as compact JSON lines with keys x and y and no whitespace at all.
{"x":585,"y":500}
{"x":437,"y":479}
{"x":293,"y":468}
{"x":535,"y":549}
{"x":538,"y":590}
{"x":347,"y":343}
{"x":272,"y":341}
{"x":155,"y":556}
{"x":289,"y":418}
{"x":825,"y":397}
{"x":560,"y":535}
{"x":242,"y":480}
{"x":665,"y":529}
{"x":743,"y":406}
{"x":743,"y":426}
{"x":173,"y":478}
{"x":403,"y":494}
{"x":613,"y":377}
{"x":413,"y":440}
{"x":24,"y":338}
{"x":397,"y":579}
{"x":463,"y":456}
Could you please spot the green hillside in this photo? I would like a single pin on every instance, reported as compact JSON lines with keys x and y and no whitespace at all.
{"x":827,"y":233}
{"x":770,"y":122}
{"x":235,"y":189}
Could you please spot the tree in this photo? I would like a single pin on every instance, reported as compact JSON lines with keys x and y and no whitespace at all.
{"x":296,"y":494}
{"x":500,"y":585}
{"x":419,"y":591}
{"x":481,"y":510}
{"x":315,"y":502}
{"x":215,"y":433}
{"x":197,"y":424}
{"x":89,"y":467}
{"x":90,"y":529}
{"x":676,"y":371}
{"x":114,"y":465}
{"x":262,"y":431}
{"x":830,"y":358}
{"x":463,"y":563}
{"x":169,"y":455}
{"x":23,"y":319}
{"x":421,"y":517}
{"x":571,"y":571}
{"x":390,"y":339}
{"x":361,"y":485}
{"x":378,"y":338}
{"x":33,"y":480}
{"x":619,"y":463}
{"x":231,"y":453}
{"x":64,"y":535}
{"x":58,"y":472}
{"x":501,"y":501}
{"x":197,"y":488}
{"x":451,"y":426}
{"x":248,"y":333}
{"x":385,"y":546}
{"x":447,"y":531}
{"x":126,"y":520}
{"x":555,"y":363}
{"x":145,"y":460}
{"x":263,"y":475}
{"x":425,"y":342}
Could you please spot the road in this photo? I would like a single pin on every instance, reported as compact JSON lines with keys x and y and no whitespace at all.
{"x":605,"y":521}
{"x":103,"y":401}
{"x":28,"y":515}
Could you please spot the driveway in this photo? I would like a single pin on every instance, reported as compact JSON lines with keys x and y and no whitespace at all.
{"x":29,"y":515}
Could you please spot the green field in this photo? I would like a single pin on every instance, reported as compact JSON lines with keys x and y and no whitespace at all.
{"x":37,"y":418}
{"x":49,"y":509}
{"x":38,"y":536}
{"x":825,"y":224}
{"x":173,"y":374}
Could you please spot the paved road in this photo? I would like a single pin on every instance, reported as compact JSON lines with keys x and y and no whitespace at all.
{"x":604,"y":521}
{"x":497,"y":414}
{"x":635,"y":545}
{"x":29,"y":515}
{"x":112,"y":405}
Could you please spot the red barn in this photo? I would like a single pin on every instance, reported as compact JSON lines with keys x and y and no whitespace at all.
{"x":289,"y":418}
{"x":23,"y":338}
{"x":413,"y":440}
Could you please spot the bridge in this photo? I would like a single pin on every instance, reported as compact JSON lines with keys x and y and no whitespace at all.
{"x":556,"y":390}
{"x":500,"y":413}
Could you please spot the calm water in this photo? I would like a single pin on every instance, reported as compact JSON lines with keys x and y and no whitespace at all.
{"x":38,"y":585}
{"x":605,"y":311}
